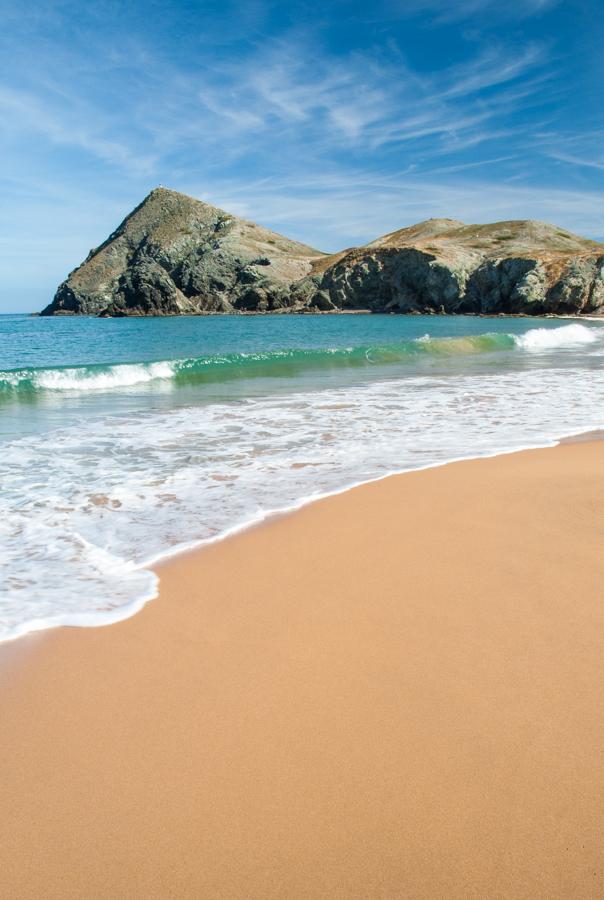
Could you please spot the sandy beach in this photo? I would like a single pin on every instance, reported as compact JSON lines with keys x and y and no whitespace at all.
{"x":393,"y":693}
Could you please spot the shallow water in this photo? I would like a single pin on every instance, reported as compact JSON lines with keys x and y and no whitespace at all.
{"x":123,"y":440}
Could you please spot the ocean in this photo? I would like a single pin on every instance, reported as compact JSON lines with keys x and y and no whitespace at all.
{"x":123,"y":441}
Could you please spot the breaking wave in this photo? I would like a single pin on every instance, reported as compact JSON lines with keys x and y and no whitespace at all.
{"x":554,"y":338}
{"x":103,"y":487}
{"x":280,"y":363}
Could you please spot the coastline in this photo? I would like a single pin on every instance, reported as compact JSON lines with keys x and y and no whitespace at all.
{"x":115,"y":615}
{"x":317,"y":312}
{"x":392,"y":692}
{"x":81,"y":556}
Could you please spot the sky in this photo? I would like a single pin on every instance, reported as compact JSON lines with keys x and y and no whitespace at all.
{"x":331,"y":122}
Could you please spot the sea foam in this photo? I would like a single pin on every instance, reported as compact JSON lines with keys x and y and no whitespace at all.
{"x":554,"y":338}
{"x":84,"y":509}
{"x":277,"y":363}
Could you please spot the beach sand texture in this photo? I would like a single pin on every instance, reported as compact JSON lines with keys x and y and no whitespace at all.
{"x":396,"y":692}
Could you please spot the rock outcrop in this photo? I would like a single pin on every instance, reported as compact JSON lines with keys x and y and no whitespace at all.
{"x":444,"y":266}
{"x":175,"y":255}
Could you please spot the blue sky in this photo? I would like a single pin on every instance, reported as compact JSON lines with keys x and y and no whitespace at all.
{"x":332,"y":122}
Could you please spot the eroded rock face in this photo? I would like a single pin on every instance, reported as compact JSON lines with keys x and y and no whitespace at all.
{"x":175,"y":255}
{"x":390,"y":280}
{"x":146,"y":289}
{"x":443,"y":266}
{"x":508,"y":286}
{"x":580,"y":287}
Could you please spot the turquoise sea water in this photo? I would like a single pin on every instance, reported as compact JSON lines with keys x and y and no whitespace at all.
{"x":122,"y":440}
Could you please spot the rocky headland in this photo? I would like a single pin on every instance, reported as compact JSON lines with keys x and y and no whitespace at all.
{"x":174,"y":255}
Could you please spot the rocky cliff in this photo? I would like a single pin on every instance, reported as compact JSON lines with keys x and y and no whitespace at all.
{"x":176,"y":255}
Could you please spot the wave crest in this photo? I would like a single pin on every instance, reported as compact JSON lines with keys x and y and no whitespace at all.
{"x":280,"y":363}
{"x":553,"y":338}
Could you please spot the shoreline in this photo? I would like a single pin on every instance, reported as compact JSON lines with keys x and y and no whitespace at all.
{"x":105,"y":618}
{"x":393,"y":692}
{"x":61,"y":314}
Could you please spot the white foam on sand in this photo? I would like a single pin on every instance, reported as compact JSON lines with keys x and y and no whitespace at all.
{"x":85,"y":509}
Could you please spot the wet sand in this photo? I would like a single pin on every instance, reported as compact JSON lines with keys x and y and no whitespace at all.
{"x":397,"y":692}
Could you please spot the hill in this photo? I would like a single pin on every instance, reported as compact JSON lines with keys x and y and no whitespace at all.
{"x":175,"y":255}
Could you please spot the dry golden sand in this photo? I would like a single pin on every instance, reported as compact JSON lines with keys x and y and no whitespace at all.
{"x":394,"y":693}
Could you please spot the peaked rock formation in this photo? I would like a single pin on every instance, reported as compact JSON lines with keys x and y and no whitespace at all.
{"x":176,"y":255}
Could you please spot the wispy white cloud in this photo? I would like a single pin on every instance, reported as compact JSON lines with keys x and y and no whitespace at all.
{"x":284,"y":101}
{"x":280,"y":98}
{"x":331,"y":144}
{"x":597,"y":163}
{"x":362,"y":100}
{"x":576,"y":151}
{"x":491,"y":69}
{"x":69,"y":122}
{"x":463,"y":167}
{"x":446,"y":11}
{"x":338,"y":209}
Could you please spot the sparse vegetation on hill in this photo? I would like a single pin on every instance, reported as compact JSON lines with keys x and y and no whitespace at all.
{"x":175,"y":255}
